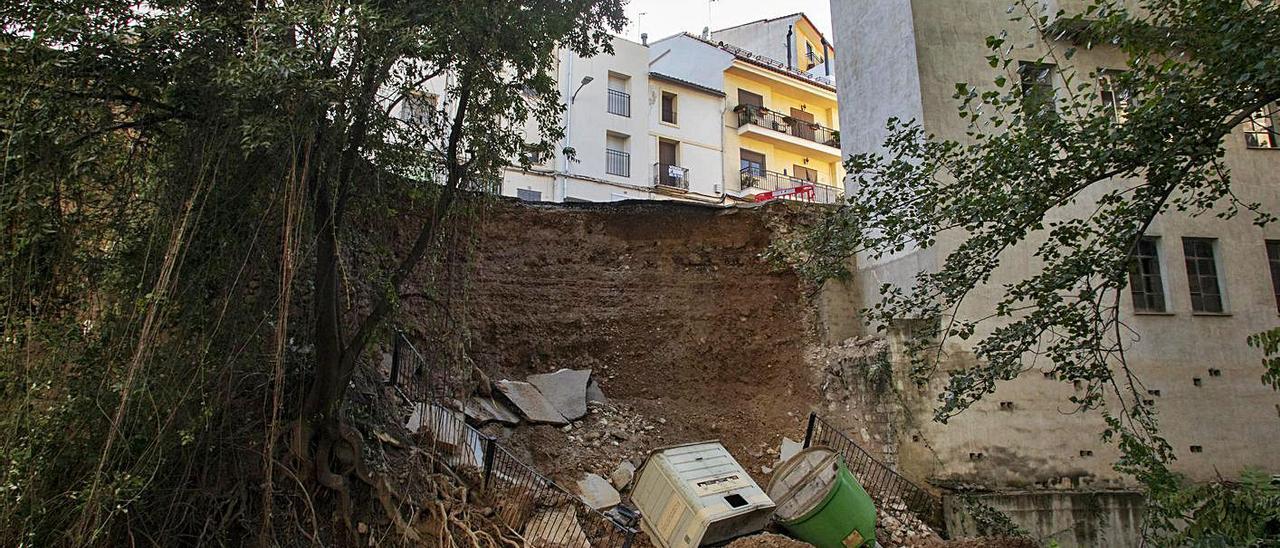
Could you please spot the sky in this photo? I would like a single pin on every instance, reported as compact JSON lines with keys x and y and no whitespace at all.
{"x":661,"y":18}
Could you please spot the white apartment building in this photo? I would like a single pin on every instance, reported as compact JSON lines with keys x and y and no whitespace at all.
{"x":687,"y":118}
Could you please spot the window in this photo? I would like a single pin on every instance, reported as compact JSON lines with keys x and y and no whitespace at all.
{"x":805,"y":174}
{"x":668,"y":107}
{"x":528,"y":195}
{"x":1273,"y":259}
{"x":1202,"y":275}
{"x":1115,"y":96}
{"x":747,"y":98}
{"x":1261,"y":129}
{"x":808,"y":54}
{"x":418,"y":107}
{"x":1144,"y":278}
{"x":752,"y":163}
{"x":617,"y":158}
{"x":1037,"y":88}
{"x":619,"y":99}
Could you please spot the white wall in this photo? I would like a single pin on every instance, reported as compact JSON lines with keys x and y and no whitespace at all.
{"x":697,"y":130}
{"x":690,"y":59}
{"x":589,"y":121}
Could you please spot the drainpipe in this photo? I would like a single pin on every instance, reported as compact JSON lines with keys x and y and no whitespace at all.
{"x":790,"y":31}
{"x":562,"y":176}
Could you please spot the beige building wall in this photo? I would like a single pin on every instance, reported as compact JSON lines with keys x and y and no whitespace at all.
{"x":904,"y":59}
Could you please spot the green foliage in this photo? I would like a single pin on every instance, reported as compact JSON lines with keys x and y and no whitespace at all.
{"x":989,"y":521}
{"x":153,"y":158}
{"x":1068,"y":183}
{"x":1269,"y":343}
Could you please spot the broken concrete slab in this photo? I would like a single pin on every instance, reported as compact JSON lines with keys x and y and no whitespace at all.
{"x":598,"y":493}
{"x":594,"y":393}
{"x":622,"y":475}
{"x":566,"y":389}
{"x":446,"y":429}
{"x":487,"y":410}
{"x":531,"y":403}
{"x":555,"y":527}
{"x":789,"y":449}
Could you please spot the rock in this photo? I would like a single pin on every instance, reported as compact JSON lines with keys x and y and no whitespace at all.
{"x":531,"y":403}
{"x":594,"y":393}
{"x":766,"y":470}
{"x":597,"y":492}
{"x":620,"y":435}
{"x":566,"y":389}
{"x":789,"y":449}
{"x":556,"y":527}
{"x":487,"y":410}
{"x":622,"y":475}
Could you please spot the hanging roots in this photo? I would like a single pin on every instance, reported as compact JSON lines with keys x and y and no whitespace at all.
{"x":443,"y":512}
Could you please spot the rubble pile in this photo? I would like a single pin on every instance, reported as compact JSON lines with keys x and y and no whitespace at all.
{"x":896,"y":525}
{"x":768,"y":540}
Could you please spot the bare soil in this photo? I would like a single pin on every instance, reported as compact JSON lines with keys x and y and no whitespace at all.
{"x":685,"y":328}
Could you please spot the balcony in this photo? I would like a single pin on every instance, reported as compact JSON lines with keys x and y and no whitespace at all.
{"x":671,"y":176}
{"x":619,"y":103}
{"x":769,"y":181}
{"x":780,"y":129}
{"x":617,"y":162}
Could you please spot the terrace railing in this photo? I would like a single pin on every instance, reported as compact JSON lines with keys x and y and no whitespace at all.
{"x":777,"y":121}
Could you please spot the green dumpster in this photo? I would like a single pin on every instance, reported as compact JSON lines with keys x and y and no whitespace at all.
{"x":819,"y":501}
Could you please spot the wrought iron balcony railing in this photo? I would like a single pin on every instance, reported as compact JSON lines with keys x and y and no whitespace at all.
{"x":770,"y":181}
{"x":619,"y":103}
{"x":671,"y":175}
{"x":768,"y":119}
{"x":617,"y":162}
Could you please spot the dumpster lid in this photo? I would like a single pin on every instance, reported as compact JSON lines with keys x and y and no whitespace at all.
{"x":803,"y":482}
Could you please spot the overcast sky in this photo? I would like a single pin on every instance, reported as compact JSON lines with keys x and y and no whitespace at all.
{"x":666,"y":17}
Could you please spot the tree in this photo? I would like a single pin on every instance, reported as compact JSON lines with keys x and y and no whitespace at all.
{"x":146,"y":148}
{"x":1072,"y":181}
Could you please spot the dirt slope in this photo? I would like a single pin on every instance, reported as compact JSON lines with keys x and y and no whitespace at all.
{"x":669,"y":305}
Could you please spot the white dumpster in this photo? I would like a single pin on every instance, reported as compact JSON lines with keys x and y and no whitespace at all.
{"x":697,"y":494}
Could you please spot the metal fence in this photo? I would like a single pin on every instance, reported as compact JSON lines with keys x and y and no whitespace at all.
{"x":671,"y":175}
{"x":617,"y":162}
{"x":880,"y":481}
{"x":544,"y":513}
{"x":619,"y":103}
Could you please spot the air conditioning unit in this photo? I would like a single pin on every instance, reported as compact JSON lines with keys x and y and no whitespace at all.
{"x":717,"y":188}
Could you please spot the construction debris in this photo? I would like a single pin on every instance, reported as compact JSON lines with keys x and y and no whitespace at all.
{"x":555,"y":528}
{"x":483,"y":410}
{"x":598,"y":493}
{"x":789,"y":449}
{"x":566,"y":389}
{"x":594,"y":393}
{"x":899,"y":526}
{"x":768,"y":540}
{"x":622,"y":475}
{"x":531,"y":403}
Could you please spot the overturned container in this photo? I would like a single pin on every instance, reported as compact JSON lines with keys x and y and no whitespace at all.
{"x":821,"y":503}
{"x":697,"y":494}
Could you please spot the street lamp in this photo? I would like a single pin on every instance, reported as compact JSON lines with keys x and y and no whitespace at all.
{"x":585,"y":80}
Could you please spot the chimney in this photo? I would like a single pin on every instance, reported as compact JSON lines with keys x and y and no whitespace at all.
{"x":644,"y":38}
{"x":706,"y":33}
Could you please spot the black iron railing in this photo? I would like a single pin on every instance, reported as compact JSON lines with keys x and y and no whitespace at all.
{"x":544,"y":513}
{"x":770,"y":181}
{"x":880,"y":481}
{"x":619,"y":103}
{"x":671,"y":175}
{"x":777,"y":121}
{"x":617,"y":162}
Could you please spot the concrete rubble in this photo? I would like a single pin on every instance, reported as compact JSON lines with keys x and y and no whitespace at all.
{"x":622,"y":475}
{"x":566,"y":389}
{"x":532,"y":404}
{"x":598,"y":493}
{"x":555,"y":528}
{"x":486,"y":410}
